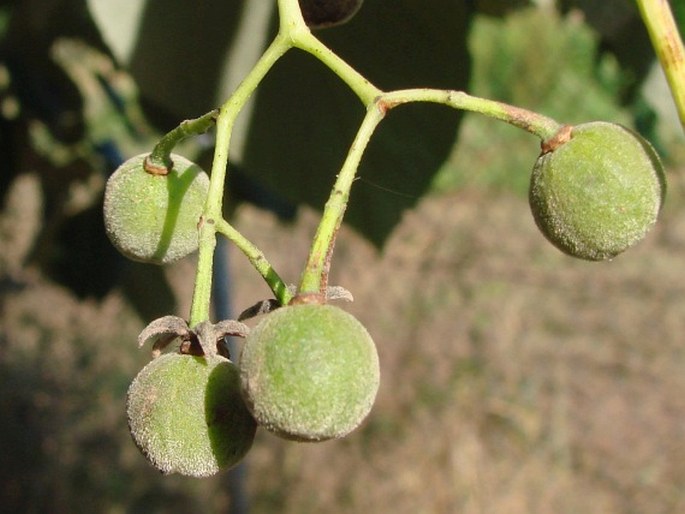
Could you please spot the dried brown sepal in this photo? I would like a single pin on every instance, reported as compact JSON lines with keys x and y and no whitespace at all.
{"x":210,"y":337}
{"x":207,"y":339}
{"x":339,"y":293}
{"x":259,"y":308}
{"x":204,"y":339}
{"x":230,"y":327}
{"x":162,"y":332}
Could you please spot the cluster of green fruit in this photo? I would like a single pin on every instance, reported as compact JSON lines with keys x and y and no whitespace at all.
{"x":310,"y":371}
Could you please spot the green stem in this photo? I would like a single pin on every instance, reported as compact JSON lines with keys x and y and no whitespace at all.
{"x":663,"y":31}
{"x":314,"y":279}
{"x":290,"y":19}
{"x":537,"y":124}
{"x":258,"y":260}
{"x":292,"y":24}
{"x":364,"y":89}
{"x":199,"y":310}
{"x":227,"y":117}
{"x":212,"y":214}
{"x":159,"y":161}
{"x":294,"y":33}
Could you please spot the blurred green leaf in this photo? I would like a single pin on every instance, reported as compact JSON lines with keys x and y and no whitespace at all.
{"x":305,"y":118}
{"x":540,"y":60}
{"x":622,"y":33}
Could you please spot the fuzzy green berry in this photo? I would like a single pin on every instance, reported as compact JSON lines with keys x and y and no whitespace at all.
{"x":328,"y":13}
{"x":598,"y":192}
{"x":309,"y":372}
{"x":187,"y":416}
{"x":153,"y":218}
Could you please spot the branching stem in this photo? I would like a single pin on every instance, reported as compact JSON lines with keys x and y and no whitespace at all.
{"x":293,"y":33}
{"x":315,"y":276}
{"x":213,"y":215}
{"x":364,"y":89}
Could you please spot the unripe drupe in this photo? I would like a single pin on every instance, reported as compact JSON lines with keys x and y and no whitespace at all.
{"x":597,"y":193}
{"x":187,"y":416}
{"x":154,"y":218}
{"x":309,"y":372}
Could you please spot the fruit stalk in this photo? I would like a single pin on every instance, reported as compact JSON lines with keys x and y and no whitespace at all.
{"x":258,"y":260}
{"x":227,"y":116}
{"x":361,"y":86}
{"x":537,"y":124}
{"x":315,"y":276}
{"x":293,"y":33}
{"x":293,"y":25}
{"x":663,"y":31}
{"x":159,"y":161}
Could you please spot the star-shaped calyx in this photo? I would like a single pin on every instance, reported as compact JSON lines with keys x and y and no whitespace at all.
{"x":205,"y":338}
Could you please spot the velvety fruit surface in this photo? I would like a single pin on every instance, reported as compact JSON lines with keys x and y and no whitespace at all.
{"x":599,"y":193}
{"x":309,"y":372}
{"x":153,"y":218}
{"x":187,"y":416}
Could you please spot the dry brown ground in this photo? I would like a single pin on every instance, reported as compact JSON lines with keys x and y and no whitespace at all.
{"x":515,"y":380}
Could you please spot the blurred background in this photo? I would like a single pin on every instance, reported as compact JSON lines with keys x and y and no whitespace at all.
{"x":514,"y":379}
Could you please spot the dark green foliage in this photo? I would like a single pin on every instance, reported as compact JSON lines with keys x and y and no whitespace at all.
{"x":305,"y":118}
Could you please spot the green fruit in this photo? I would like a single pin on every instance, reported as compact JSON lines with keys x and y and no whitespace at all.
{"x":328,"y":13}
{"x":154,"y":218}
{"x":187,"y":416}
{"x":598,"y":193}
{"x":309,"y":372}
